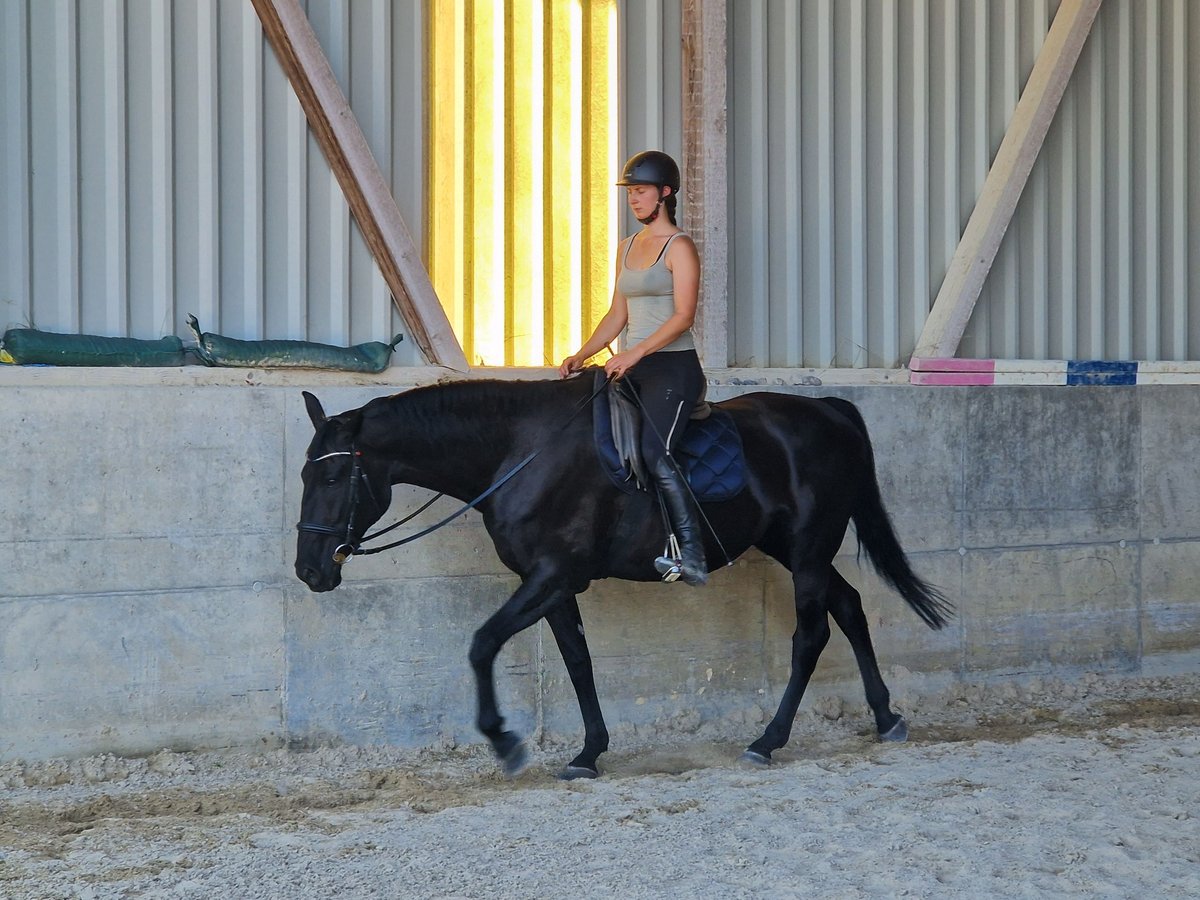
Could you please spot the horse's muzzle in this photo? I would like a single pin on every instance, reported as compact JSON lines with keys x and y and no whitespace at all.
{"x":318,"y":581}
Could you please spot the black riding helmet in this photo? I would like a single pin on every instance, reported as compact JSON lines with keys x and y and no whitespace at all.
{"x":650,"y":167}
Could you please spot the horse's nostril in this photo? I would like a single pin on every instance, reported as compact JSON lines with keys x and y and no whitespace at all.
{"x":317,"y":579}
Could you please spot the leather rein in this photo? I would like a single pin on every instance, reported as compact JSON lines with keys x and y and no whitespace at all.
{"x":349,"y":548}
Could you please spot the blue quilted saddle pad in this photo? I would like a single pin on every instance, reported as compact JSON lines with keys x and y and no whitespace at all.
{"x":710,"y":453}
{"x":712,"y":459}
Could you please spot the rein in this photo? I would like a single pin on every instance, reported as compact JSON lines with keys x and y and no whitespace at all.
{"x":347,"y":550}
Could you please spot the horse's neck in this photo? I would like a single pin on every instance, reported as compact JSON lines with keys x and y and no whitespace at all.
{"x":456,"y":438}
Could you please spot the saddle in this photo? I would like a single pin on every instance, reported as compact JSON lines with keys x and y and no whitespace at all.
{"x":709,"y":452}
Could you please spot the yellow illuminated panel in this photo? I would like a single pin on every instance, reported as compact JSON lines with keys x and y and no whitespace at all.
{"x":522,"y":213}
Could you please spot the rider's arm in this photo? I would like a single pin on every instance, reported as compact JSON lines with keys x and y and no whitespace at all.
{"x":606,"y":331}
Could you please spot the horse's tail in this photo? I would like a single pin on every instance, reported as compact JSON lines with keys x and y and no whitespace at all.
{"x":878,"y":538}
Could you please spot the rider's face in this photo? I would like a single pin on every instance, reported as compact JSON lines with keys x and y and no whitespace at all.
{"x":642,"y":198}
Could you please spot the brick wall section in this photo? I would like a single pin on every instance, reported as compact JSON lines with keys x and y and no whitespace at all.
{"x":705,"y":170}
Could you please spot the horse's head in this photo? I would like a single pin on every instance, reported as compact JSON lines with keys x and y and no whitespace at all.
{"x":346,"y":490}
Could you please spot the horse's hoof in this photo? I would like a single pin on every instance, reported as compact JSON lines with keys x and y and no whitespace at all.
{"x":573,"y":773}
{"x":756,"y":759}
{"x":898,"y":733}
{"x":516,"y":760}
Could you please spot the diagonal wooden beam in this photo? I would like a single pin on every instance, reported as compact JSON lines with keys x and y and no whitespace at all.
{"x":1006,"y":180}
{"x":367,"y":192}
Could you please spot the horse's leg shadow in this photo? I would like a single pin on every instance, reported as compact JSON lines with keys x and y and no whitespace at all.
{"x":567,"y":626}
{"x":845,"y":605}
{"x":809,"y":639}
{"x":535,"y":598}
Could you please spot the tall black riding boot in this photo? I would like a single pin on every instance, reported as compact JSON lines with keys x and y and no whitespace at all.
{"x":685,"y":518}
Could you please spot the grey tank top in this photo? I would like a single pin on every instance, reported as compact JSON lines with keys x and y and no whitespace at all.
{"x":651,"y":296}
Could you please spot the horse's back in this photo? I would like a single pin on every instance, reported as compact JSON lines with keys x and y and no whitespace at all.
{"x":796,"y":415}
{"x":802,"y":445}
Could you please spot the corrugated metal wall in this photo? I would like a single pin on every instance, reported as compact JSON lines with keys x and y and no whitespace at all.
{"x":651,"y":88}
{"x":1096,"y":264}
{"x":861,"y":132}
{"x":154,"y":162}
{"x":522,"y":100}
{"x":521,"y":244}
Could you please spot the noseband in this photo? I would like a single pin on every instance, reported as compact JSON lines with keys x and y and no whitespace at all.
{"x":349,"y":548}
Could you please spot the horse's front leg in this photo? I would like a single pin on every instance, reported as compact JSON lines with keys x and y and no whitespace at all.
{"x":532,"y":600}
{"x":567,"y":626}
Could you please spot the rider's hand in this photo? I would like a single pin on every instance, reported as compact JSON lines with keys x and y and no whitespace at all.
{"x":570,"y":366}
{"x":621,"y":363}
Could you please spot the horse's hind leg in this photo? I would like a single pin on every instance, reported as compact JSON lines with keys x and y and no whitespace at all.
{"x":567,"y":626}
{"x":812,"y":633}
{"x":845,"y":605}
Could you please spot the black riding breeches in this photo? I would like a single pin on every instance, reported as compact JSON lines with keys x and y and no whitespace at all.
{"x":669,"y":383}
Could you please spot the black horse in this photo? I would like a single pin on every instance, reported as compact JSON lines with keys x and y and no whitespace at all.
{"x":560,"y":523}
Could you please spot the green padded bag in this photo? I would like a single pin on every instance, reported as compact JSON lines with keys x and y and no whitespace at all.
{"x":30,"y":347}
{"x":217,"y":350}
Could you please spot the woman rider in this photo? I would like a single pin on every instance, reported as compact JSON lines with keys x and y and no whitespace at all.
{"x":654,"y":303}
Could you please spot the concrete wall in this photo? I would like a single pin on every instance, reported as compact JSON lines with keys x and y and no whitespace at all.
{"x":147,"y":598}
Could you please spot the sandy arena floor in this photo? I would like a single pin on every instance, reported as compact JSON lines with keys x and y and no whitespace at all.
{"x":1018,"y":788}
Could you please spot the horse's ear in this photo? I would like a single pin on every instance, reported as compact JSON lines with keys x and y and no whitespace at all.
{"x":315,"y":412}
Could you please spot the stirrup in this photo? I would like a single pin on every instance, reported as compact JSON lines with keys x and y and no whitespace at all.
{"x":669,"y":569}
{"x":670,"y":564}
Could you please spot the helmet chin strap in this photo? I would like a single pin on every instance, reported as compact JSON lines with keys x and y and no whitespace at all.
{"x":654,"y":213}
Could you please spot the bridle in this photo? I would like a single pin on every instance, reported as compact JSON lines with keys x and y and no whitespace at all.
{"x":349,"y":548}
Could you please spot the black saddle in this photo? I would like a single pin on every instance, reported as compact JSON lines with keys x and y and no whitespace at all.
{"x":710,"y":451}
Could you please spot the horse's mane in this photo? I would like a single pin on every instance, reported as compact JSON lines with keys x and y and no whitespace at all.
{"x":479,"y":401}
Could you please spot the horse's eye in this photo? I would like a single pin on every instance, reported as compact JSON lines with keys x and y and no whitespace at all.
{"x":331,"y":481}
